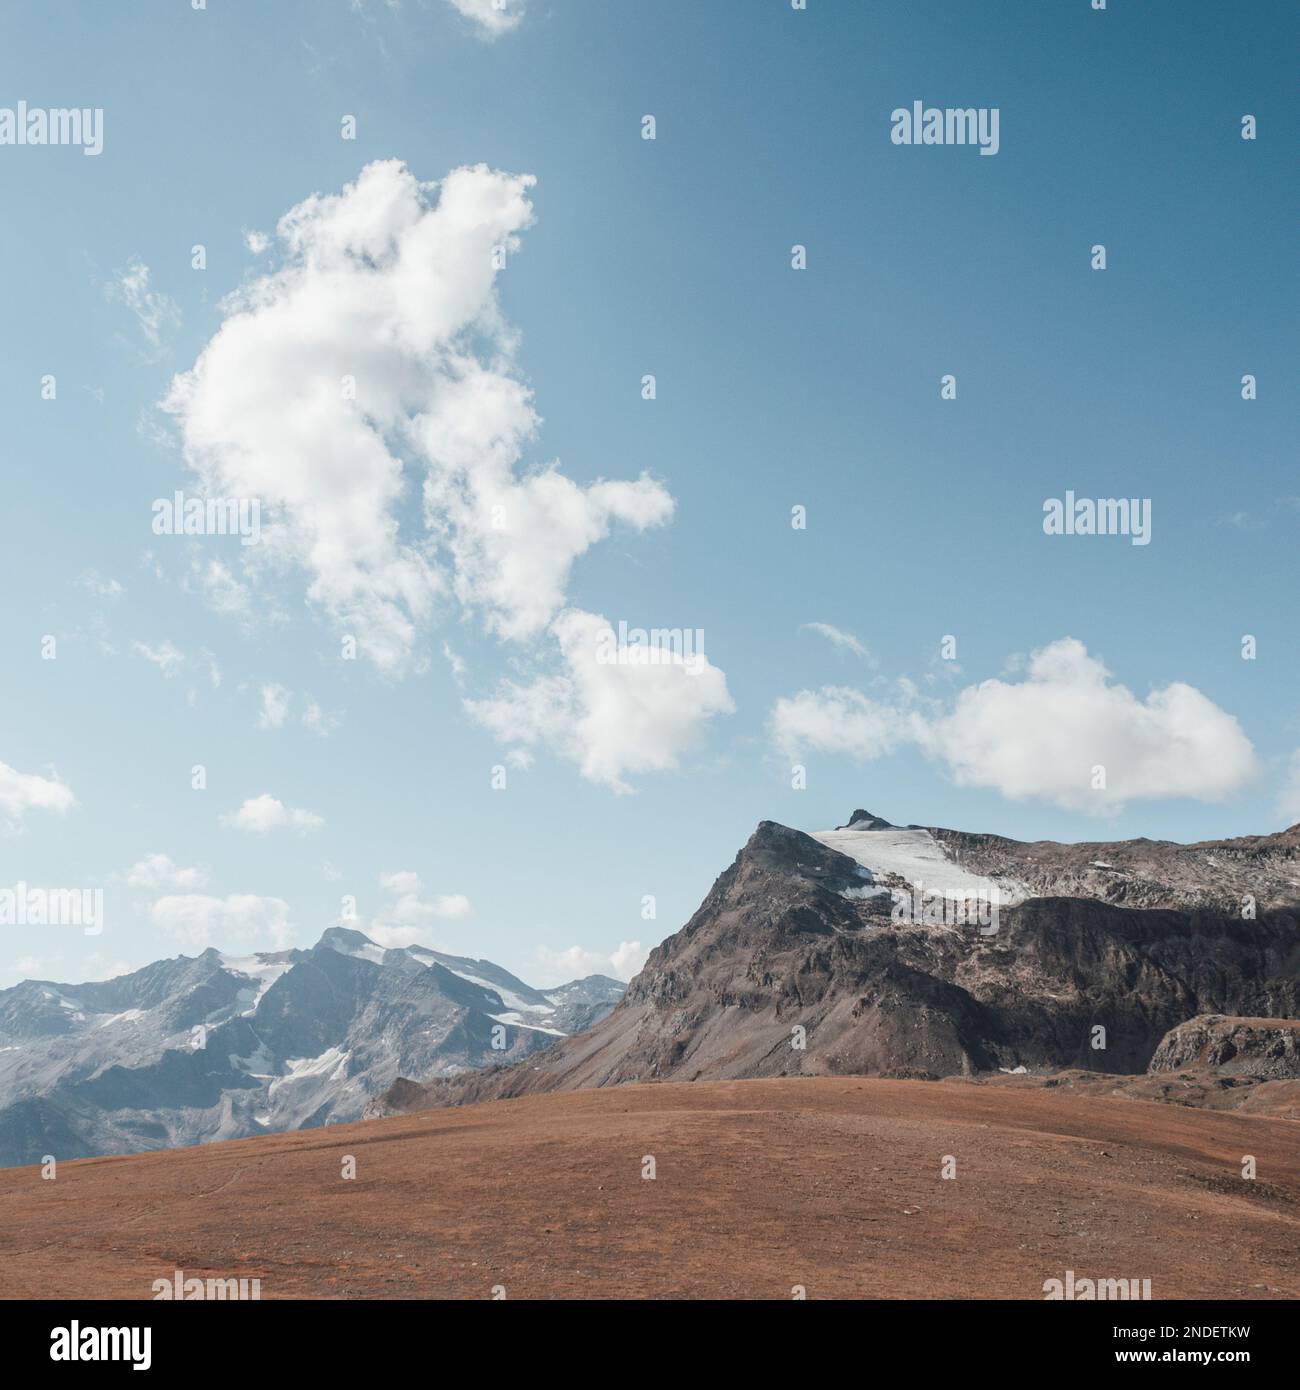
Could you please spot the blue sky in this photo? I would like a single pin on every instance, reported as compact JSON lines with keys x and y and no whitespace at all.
{"x":775,"y":388}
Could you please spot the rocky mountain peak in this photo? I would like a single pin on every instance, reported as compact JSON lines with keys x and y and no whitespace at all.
{"x":864,"y":820}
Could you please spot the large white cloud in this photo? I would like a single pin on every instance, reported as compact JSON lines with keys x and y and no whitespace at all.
{"x":21,"y":792}
{"x":414,"y":495}
{"x":1042,"y":736}
{"x":391,"y":285}
{"x":611,"y":719}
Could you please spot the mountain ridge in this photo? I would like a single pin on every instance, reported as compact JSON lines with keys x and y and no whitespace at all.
{"x":216,"y":1046}
{"x":797,"y":934}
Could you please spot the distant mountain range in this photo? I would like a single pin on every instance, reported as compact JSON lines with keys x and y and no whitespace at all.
{"x":871,"y":950}
{"x":223,"y":1047}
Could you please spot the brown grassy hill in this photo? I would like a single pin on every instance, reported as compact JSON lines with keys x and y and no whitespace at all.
{"x":832,"y":1183}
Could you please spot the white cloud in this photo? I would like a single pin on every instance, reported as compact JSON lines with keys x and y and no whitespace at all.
{"x":95,"y":583}
{"x":628,"y":959}
{"x":491,"y":18}
{"x":222,"y":590}
{"x":316,"y":721}
{"x":609,"y":718}
{"x":237,"y":919}
{"x":277,"y":703}
{"x":167,"y":657}
{"x":262,"y":814}
{"x":21,"y":792}
{"x":257,"y":242}
{"x":403,"y":881}
{"x":844,"y":640}
{"x":275,"y":706}
{"x":1041,"y":736}
{"x":156,"y":313}
{"x":559,"y":967}
{"x":458,"y":668}
{"x":391,"y":285}
{"x":1288,"y":802}
{"x":406,"y":920}
{"x":156,"y":871}
{"x":836,"y":719}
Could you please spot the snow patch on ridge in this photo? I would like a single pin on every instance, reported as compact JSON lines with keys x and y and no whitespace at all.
{"x":919,"y":859}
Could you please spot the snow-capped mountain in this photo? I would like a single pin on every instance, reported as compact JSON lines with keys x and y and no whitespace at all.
{"x":222,"y":1047}
{"x":915,"y":951}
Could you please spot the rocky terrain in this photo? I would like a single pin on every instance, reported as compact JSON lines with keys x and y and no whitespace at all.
{"x":1266,"y":1048}
{"x":819,"y":955}
{"x":218,"y":1047}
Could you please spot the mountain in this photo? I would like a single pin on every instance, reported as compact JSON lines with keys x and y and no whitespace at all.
{"x":222,"y":1047}
{"x":922,"y":952}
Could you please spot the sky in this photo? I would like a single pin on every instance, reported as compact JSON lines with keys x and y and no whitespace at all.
{"x":398,"y":274}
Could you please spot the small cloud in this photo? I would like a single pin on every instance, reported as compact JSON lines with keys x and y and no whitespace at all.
{"x":491,"y":18}
{"x":559,"y":967}
{"x":403,"y":881}
{"x":156,"y":872}
{"x":257,"y":242}
{"x":275,"y":707}
{"x":157,"y":314}
{"x":405,"y":920}
{"x":94,"y":583}
{"x":277,"y":702}
{"x":845,"y":641}
{"x":262,"y":814}
{"x":21,"y":792}
{"x":169,"y":659}
{"x":458,"y":668}
{"x":316,"y":721}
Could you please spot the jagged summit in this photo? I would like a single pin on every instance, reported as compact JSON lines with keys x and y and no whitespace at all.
{"x":344,"y":939}
{"x":864,"y":820}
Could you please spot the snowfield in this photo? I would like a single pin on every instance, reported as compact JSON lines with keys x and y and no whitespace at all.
{"x":918,"y":858}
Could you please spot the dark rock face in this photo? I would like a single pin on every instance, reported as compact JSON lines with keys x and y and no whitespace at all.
{"x":787,"y":969}
{"x":1266,"y":1048}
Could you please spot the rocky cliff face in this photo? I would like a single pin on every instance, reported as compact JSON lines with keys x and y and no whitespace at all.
{"x":1264,"y":1048}
{"x":804,"y":959}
